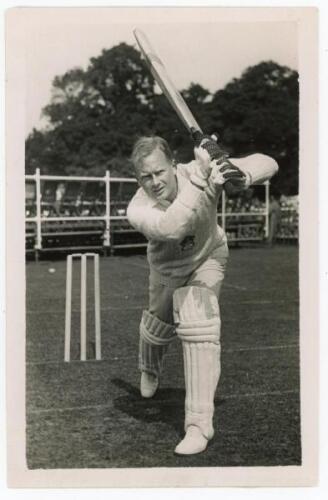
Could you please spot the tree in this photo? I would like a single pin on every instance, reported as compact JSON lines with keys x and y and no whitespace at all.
{"x":259,"y":112}
{"x":94,"y":115}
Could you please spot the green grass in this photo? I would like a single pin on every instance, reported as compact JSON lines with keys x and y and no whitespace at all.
{"x":90,"y":415}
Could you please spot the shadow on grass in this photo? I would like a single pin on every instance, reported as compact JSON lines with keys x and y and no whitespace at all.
{"x":166,"y":406}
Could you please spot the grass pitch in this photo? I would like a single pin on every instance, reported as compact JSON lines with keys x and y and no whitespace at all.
{"x":90,"y":414}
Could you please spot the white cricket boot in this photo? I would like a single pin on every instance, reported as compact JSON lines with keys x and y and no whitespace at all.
{"x":148,"y":384}
{"x":193,"y":442}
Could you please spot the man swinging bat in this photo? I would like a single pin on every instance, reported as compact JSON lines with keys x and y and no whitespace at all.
{"x":176,"y":209}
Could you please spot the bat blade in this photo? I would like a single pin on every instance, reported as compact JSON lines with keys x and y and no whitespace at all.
{"x":164,"y":81}
{"x":168,"y":88}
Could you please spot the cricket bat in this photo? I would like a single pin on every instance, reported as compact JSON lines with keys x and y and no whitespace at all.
{"x":168,"y":88}
{"x":165,"y":83}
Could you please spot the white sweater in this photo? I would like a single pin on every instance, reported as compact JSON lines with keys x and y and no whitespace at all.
{"x":182,"y":234}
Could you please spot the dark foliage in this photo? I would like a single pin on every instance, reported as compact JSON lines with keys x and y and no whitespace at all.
{"x":95,"y":115}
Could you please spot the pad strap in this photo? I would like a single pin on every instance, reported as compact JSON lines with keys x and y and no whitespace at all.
{"x":155,"y":331}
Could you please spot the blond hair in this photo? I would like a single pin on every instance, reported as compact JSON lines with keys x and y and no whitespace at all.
{"x":145,"y":146}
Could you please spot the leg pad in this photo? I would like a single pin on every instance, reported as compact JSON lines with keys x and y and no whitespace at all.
{"x":197,"y":317}
{"x":155,"y":337}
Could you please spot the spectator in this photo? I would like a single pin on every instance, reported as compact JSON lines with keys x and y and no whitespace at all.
{"x":60,"y":193}
{"x":274,"y":219}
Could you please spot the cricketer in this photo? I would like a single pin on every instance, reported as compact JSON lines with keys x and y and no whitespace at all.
{"x":175,"y":208}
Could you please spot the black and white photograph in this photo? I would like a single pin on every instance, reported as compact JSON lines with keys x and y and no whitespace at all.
{"x":160,"y":160}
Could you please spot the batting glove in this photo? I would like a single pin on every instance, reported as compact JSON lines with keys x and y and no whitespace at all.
{"x":231,"y":177}
{"x":209,"y":143}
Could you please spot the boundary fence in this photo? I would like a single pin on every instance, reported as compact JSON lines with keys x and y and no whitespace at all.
{"x":224,"y":216}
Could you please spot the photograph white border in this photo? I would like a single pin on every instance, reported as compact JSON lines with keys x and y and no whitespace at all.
{"x":18,"y":474}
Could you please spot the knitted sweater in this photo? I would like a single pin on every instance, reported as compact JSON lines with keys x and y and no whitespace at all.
{"x":182,"y":234}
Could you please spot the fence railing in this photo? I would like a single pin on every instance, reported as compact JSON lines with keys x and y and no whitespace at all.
{"x":39,"y":218}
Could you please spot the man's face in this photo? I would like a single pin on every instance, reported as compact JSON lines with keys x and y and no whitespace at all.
{"x":157,"y":176}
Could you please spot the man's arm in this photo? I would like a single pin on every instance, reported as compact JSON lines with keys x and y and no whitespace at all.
{"x":173,"y":224}
{"x":177,"y":221}
{"x":257,"y":167}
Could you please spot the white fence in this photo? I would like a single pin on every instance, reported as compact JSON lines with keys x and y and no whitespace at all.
{"x":107,"y":217}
